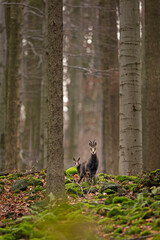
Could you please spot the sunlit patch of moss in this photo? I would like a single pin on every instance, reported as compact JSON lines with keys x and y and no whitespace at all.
{"x":71,"y":171}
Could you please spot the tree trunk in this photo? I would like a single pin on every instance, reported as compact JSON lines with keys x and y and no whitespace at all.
{"x":13,"y":85}
{"x":130,"y":161}
{"x":55,"y":161}
{"x":109,"y":63}
{"x":151,"y":93}
{"x":2,"y":85}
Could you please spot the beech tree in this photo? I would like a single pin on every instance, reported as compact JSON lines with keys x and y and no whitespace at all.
{"x":55,"y":161}
{"x":151,"y":93}
{"x":130,"y":155}
{"x":14,"y":41}
{"x":2,"y":85}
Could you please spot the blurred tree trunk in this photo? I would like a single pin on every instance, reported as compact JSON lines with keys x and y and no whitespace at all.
{"x":130,"y":162}
{"x":109,"y":62}
{"x":75,"y":49}
{"x":2,"y":84}
{"x":55,"y":161}
{"x":44,"y":94}
{"x":14,"y":41}
{"x":33,"y":59}
{"x":151,"y":93}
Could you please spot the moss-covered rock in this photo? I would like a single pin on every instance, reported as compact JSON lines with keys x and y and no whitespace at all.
{"x":19,"y":185}
{"x":110,"y":185}
{"x":114,"y":211}
{"x":34,"y":182}
{"x":73,"y":188}
{"x":71,"y":171}
{"x":120,"y":199}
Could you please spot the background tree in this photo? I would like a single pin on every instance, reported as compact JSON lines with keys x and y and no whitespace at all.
{"x":14,"y":42}
{"x":55,"y":161}
{"x":151,"y":93}
{"x":2,"y":85}
{"x":130,"y":161}
{"x":108,"y":43}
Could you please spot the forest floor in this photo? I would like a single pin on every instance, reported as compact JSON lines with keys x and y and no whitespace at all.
{"x":117,"y":207}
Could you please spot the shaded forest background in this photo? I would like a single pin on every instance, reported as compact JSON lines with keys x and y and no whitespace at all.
{"x":93,"y":53}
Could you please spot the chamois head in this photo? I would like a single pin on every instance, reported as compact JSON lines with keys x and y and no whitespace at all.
{"x":76,"y":161}
{"x":92,"y":146}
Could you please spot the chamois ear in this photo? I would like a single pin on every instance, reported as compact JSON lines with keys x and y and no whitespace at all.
{"x":90,"y":143}
{"x":74,"y":159}
{"x":79,"y":159}
{"x":94,"y":143}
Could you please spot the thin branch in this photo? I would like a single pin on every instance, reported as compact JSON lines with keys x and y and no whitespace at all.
{"x":25,"y":5}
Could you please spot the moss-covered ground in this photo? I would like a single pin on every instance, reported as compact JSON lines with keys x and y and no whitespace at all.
{"x":117,"y":207}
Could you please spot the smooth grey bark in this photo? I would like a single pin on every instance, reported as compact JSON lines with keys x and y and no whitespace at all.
{"x":2,"y":85}
{"x":130,"y":153}
{"x":55,"y":160}
{"x":151,"y":85}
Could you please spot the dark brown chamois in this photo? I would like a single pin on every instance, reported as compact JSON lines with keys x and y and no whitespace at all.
{"x":81,"y":168}
{"x":93,"y":162}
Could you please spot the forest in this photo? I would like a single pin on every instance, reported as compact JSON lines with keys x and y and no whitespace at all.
{"x":79,"y":119}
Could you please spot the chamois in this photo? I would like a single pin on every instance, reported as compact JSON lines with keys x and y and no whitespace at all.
{"x":93,"y":162}
{"x":81,"y":168}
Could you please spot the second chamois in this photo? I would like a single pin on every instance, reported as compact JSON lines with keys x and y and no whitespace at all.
{"x":81,"y":168}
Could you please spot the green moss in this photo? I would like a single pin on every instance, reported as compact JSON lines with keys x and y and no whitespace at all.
{"x":105,"y":221}
{"x":114,"y":211}
{"x":109,"y":200}
{"x":9,"y":237}
{"x":109,"y":191}
{"x":71,"y":171}
{"x":118,"y":230}
{"x":157,"y":237}
{"x":156,"y":225}
{"x":136,"y":216}
{"x":108,"y":229}
{"x":147,"y":215}
{"x":145,"y":233}
{"x":120,"y":199}
{"x":134,"y":230}
{"x":123,"y":220}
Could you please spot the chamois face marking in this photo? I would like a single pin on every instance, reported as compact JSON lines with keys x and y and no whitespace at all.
{"x":92,"y":146}
{"x":76,"y":161}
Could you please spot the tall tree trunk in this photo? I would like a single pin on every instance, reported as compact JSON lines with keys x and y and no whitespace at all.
{"x":13,"y":85}
{"x":109,"y":63}
{"x":2,"y":85}
{"x":151,"y":97}
{"x":130,"y":161}
{"x":44,"y":94}
{"x":55,"y":163}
